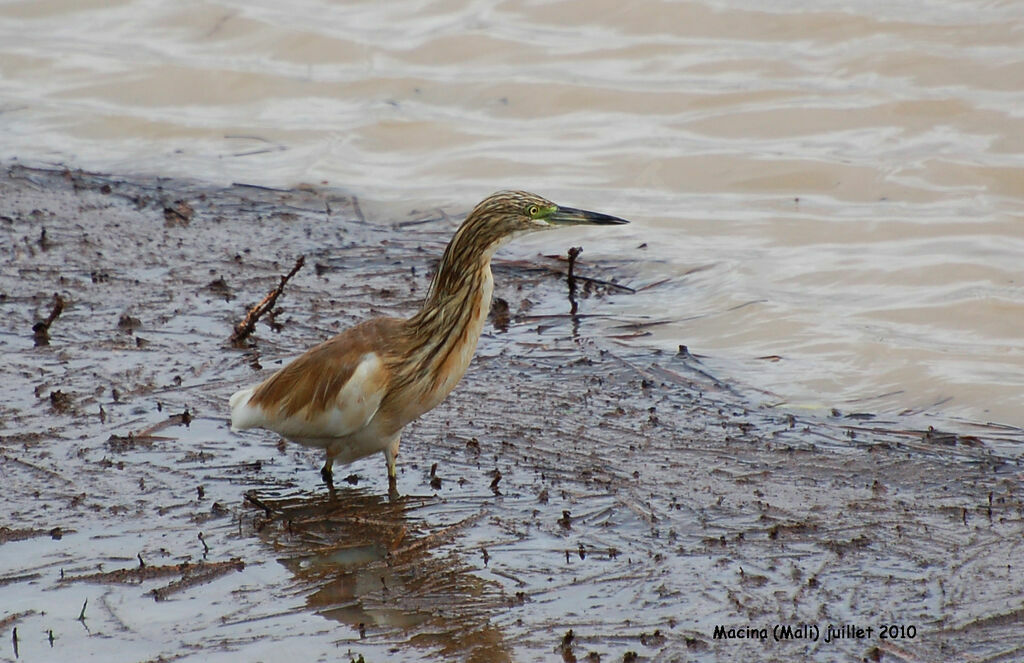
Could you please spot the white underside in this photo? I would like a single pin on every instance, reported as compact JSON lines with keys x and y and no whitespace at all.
{"x":347,"y":426}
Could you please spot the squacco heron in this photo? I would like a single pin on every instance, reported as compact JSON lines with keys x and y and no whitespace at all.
{"x":353,"y":394}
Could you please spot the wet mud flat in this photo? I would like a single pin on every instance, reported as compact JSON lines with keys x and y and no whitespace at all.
{"x":578,"y":497}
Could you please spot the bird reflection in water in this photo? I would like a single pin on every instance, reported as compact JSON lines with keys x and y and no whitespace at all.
{"x":374,"y":565}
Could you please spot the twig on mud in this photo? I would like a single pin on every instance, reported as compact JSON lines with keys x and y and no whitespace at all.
{"x":190,"y":575}
{"x":183,"y":419}
{"x":248,"y":324}
{"x":574,"y":253}
{"x":250,"y":496}
{"x":41,"y":330}
{"x":243,"y":185}
{"x":8,"y":534}
{"x":13,"y":618}
{"x":35,"y":468}
{"x":7,"y":580}
{"x":131,"y":576}
{"x":199,"y":575}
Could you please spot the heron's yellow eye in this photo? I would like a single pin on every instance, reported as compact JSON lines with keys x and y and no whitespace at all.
{"x":534,"y":211}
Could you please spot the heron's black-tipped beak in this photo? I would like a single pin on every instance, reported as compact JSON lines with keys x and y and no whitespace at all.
{"x":571,"y":216}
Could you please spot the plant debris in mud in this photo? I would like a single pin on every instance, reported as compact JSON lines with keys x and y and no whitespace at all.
{"x":41,"y":329}
{"x":247,"y":325}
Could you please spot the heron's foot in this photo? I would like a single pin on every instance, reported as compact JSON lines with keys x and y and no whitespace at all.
{"x":393,"y":489}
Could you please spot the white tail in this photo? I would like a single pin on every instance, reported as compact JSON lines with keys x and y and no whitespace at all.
{"x":243,"y":416}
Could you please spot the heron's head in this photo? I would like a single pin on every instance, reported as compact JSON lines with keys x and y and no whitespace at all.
{"x":506,"y":214}
{"x":497,"y":219}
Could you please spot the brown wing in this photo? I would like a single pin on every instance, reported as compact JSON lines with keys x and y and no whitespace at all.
{"x":312,"y":383}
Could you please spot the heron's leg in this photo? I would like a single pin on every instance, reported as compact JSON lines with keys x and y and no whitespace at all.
{"x":391,"y":454}
{"x":326,"y":472}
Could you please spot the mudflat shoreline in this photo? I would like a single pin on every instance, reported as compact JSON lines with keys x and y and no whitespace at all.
{"x":595,"y":500}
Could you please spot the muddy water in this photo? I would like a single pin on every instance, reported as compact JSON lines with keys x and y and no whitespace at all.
{"x":834,"y":190}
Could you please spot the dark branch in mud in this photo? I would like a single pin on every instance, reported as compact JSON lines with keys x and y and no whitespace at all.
{"x":248,"y":324}
{"x":250,"y":496}
{"x":41,"y":330}
{"x":574,"y":253}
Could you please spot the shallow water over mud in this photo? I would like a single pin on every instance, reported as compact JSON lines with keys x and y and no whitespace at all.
{"x":570,"y":483}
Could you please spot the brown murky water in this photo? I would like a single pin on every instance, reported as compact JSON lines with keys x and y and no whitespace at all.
{"x":587,"y":484}
{"x":836,"y":187}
